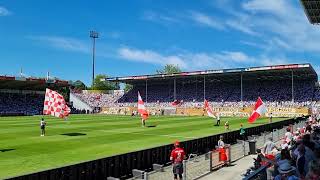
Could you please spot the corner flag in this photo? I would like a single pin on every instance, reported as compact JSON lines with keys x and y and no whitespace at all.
{"x":259,"y":109}
{"x":208,"y":109}
{"x":141,"y":108}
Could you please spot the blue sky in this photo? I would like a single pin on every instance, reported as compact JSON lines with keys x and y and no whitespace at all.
{"x":140,"y":36}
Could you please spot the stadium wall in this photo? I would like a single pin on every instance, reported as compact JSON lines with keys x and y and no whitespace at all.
{"x":224,"y":111}
{"x":121,"y":166}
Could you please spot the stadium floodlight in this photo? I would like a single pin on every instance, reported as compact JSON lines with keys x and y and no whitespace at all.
{"x":94,"y":35}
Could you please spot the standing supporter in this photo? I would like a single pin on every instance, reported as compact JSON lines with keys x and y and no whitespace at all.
{"x":288,"y":136}
{"x":222,"y":150}
{"x":218,"y":120}
{"x":314,"y":170}
{"x":177,"y":156}
{"x":268,"y":148}
{"x":301,"y":162}
{"x":242,"y":132}
{"x":296,"y":136}
{"x":226,"y":125}
{"x":287,"y":172}
{"x":43,"y":127}
{"x":270,"y":118}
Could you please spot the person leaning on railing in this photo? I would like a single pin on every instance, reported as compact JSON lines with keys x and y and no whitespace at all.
{"x":222,"y":151}
{"x":268,"y":148}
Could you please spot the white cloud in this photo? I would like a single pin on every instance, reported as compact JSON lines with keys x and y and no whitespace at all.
{"x":149,"y":56}
{"x":200,"y":60}
{"x":160,"y":18}
{"x":241,"y":26}
{"x":4,"y":11}
{"x":65,"y":43}
{"x":272,"y":6}
{"x":282,"y":24}
{"x":206,"y":20}
{"x":185,"y":59}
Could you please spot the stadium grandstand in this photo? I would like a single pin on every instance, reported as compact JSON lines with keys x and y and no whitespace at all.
{"x":312,"y":10}
{"x":25,"y":95}
{"x":287,"y":86}
{"x":280,"y":83}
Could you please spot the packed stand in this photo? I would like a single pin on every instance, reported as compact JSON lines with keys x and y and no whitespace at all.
{"x":193,"y":92}
{"x":99,"y":99}
{"x":21,"y":104}
{"x":297,"y":156}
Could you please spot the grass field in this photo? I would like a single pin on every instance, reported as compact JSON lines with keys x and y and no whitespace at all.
{"x":88,"y":137}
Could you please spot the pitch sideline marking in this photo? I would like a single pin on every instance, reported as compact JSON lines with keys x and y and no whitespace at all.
{"x":150,"y":134}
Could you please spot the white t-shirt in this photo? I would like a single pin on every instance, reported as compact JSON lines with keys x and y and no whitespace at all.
{"x":42,"y":123}
{"x":220,"y":144}
{"x":288,"y":136}
{"x":268,"y":147}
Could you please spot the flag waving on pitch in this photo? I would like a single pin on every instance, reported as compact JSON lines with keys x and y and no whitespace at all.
{"x":55,"y":105}
{"x":208,"y":109}
{"x":141,"y":108}
{"x":259,"y":109}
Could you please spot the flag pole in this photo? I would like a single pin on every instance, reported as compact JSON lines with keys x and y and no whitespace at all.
{"x":146,"y":91}
{"x":204,"y":87}
{"x":292,"y":91}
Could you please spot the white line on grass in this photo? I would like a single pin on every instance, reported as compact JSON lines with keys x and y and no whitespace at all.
{"x":150,"y":134}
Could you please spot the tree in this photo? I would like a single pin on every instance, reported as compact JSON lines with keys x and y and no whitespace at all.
{"x":128,"y":87}
{"x":100,"y":83}
{"x":79,"y":85}
{"x":169,"y":69}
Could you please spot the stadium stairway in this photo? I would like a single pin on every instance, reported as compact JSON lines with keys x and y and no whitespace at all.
{"x":78,"y":103}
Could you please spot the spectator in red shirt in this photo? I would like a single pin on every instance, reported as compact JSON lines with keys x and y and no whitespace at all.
{"x":177,"y":156}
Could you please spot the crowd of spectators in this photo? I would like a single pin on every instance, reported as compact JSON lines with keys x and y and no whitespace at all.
{"x":277,"y":92}
{"x":298,"y":155}
{"x":21,"y":104}
{"x":99,"y":99}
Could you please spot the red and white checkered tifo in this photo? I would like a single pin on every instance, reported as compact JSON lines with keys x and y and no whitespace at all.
{"x":55,"y":105}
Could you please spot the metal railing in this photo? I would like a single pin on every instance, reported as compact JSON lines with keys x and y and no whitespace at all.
{"x":199,"y":165}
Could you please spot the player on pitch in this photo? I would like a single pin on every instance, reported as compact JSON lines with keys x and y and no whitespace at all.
{"x":43,"y":127}
{"x":177,"y":156}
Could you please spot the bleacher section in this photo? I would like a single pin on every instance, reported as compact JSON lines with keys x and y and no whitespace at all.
{"x":21,"y":104}
{"x":25,"y":95}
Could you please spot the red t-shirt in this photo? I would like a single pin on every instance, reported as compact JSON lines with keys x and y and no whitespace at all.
{"x":177,"y":155}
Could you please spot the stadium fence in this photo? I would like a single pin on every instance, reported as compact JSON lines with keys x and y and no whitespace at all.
{"x":142,"y":163}
{"x":198,"y":166}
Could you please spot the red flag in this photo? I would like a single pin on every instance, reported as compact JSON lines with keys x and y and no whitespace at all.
{"x":175,"y":103}
{"x":55,"y":105}
{"x":141,"y":108}
{"x":208,"y":109}
{"x":259,"y":109}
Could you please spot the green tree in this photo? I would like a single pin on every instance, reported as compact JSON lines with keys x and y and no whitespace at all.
{"x":169,"y":69}
{"x":100,"y":83}
{"x":128,"y":87}
{"x":79,"y":85}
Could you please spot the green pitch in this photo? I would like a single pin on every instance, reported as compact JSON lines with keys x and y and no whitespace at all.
{"x":88,"y":137}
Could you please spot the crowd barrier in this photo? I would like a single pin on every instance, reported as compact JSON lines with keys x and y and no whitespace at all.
{"x":122,"y":166}
{"x":198,"y":166}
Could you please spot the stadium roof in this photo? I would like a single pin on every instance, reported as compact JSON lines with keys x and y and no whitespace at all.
{"x":312,"y":10}
{"x":300,"y":71}
{"x":23,"y":83}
